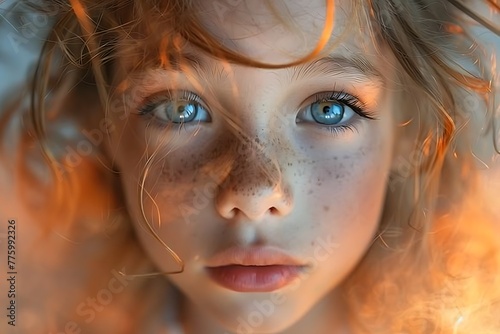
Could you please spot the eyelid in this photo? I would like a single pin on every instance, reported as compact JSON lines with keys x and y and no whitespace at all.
{"x":148,"y":105}
{"x":171,"y":95}
{"x":359,"y":112}
{"x":350,"y":100}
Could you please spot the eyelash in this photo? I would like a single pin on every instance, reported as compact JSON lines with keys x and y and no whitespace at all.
{"x":150,"y":103}
{"x":348,"y":100}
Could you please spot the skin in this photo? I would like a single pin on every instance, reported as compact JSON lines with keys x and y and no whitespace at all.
{"x":294,"y":185}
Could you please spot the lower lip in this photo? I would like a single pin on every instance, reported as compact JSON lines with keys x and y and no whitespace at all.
{"x":254,"y":278}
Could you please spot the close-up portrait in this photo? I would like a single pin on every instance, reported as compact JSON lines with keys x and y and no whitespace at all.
{"x":250,"y":167}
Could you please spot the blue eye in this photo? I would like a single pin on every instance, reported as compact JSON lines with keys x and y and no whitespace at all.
{"x":181,"y":109}
{"x":176,"y":111}
{"x":333,"y":110}
{"x":329,"y":112}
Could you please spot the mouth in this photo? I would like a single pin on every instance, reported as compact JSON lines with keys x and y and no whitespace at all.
{"x":254,"y":269}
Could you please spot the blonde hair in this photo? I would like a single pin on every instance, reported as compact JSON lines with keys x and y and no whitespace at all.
{"x":417,"y":232}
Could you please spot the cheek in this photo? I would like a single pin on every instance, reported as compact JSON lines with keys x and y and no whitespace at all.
{"x":181,"y":184}
{"x":178,"y":191}
{"x":347,"y":192}
{"x":342,"y":203}
{"x":175,"y":188}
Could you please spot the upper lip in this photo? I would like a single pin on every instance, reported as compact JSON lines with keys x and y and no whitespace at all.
{"x":253,"y":256}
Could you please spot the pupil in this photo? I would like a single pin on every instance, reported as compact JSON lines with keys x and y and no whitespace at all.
{"x":327,"y":112}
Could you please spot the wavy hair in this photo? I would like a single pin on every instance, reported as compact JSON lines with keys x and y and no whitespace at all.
{"x":423,"y":228}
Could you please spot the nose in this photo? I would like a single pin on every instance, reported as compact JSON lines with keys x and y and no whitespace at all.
{"x":254,"y":189}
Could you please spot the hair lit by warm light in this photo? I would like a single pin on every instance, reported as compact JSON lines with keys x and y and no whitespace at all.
{"x":430,"y":270}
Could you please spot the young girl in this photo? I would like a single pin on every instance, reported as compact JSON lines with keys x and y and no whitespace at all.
{"x":255,"y":167}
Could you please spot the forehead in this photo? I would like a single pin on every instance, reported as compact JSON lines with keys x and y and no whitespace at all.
{"x":281,"y":29}
{"x":267,"y":31}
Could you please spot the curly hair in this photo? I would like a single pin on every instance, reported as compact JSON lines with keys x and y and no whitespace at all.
{"x":412,"y":279}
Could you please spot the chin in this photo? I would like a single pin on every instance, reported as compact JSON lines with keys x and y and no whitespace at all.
{"x":262,"y":317}
{"x":257,"y":325}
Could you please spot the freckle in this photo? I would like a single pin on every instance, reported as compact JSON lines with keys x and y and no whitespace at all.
{"x":310,"y":147}
{"x":335,"y":158}
{"x":329,"y":173}
{"x":313,"y":243}
{"x":337,"y":176}
{"x":310,"y":192}
{"x":326,"y":208}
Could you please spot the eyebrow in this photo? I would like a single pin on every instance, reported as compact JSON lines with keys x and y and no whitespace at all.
{"x":333,"y":64}
{"x":179,"y":62}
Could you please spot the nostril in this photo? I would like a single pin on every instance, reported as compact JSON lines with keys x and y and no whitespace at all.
{"x":231,"y":214}
{"x":273,"y":201}
{"x":253,"y":215}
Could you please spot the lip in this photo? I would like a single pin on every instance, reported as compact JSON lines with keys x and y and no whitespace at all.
{"x":253,"y":269}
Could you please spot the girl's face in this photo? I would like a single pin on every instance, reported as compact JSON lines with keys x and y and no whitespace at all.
{"x":271,"y":217}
